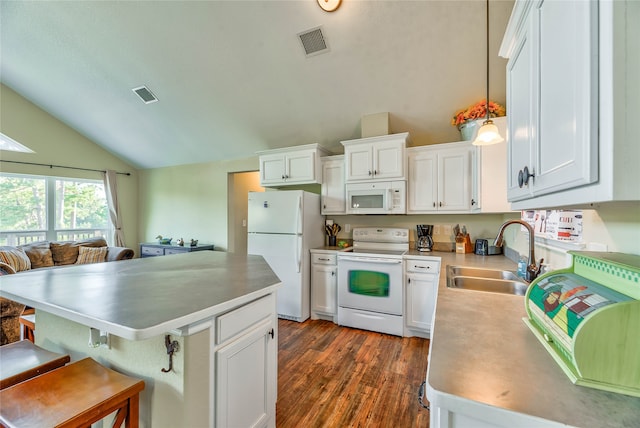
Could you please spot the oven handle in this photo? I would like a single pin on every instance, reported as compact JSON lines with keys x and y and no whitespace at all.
{"x":370,"y":260}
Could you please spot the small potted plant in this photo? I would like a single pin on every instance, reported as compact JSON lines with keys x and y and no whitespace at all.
{"x":465,"y":120}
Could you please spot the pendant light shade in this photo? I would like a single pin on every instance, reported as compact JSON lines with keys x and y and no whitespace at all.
{"x":488,"y":133}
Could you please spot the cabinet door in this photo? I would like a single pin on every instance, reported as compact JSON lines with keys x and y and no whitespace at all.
{"x":567,"y":139}
{"x":333,"y":190}
{"x":324,"y":281}
{"x":388,"y":160}
{"x":423,"y":181}
{"x":272,"y":169}
{"x":454,"y":184}
{"x":359,"y":162}
{"x":521,"y":104}
{"x":244,"y":379}
{"x":301,"y":167}
{"x":421,"y":300}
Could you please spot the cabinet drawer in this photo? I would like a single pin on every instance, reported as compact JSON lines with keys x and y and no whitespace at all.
{"x":168,"y":251}
{"x":234,"y":322}
{"x":152,"y":251}
{"x":422,"y":266}
{"x":323,"y":259}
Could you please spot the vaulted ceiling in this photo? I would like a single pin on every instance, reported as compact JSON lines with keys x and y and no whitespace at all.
{"x":232,"y":77}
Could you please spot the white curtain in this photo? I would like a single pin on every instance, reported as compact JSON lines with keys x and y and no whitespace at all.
{"x":111,"y":189}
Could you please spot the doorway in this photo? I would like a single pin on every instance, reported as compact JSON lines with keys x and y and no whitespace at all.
{"x":239,"y":185}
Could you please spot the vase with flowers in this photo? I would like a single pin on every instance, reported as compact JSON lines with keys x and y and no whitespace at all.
{"x":465,"y":120}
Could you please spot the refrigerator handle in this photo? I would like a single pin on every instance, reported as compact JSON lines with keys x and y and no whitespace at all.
{"x":299,"y":216}
{"x":299,"y":252}
{"x":299,"y":231}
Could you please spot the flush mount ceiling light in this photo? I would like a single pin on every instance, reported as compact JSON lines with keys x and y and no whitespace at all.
{"x":145,"y":94}
{"x":329,"y":5}
{"x":488,"y":133}
{"x":11,"y":145}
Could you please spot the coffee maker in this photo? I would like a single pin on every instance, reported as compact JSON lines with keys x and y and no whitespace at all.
{"x":424,"y":233}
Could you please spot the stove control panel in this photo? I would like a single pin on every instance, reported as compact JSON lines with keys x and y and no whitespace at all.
{"x":381,"y":234}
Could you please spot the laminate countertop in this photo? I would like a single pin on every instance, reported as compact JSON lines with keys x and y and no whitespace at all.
{"x":142,"y":298}
{"x":483,"y":353}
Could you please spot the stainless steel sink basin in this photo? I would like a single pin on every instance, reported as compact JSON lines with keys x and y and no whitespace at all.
{"x":487,"y":280}
{"x":505,"y":286}
{"x":481,"y":273}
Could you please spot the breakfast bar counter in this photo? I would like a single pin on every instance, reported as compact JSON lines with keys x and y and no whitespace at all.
{"x":217,"y":311}
{"x":487,"y":369}
{"x":142,"y":298}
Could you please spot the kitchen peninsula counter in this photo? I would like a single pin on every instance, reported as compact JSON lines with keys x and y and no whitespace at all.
{"x":487,"y":369}
{"x":142,"y":298}
{"x":219,"y":309}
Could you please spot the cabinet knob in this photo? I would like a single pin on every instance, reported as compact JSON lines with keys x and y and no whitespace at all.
{"x":375,"y":172}
{"x":370,"y":173}
{"x":523,"y":177}
{"x":271,"y":333}
{"x":434,"y":204}
{"x":473,"y":201}
{"x":282,"y":176}
{"x":440,"y":203}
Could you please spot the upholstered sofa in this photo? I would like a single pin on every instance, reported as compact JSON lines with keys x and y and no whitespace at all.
{"x":47,"y":255}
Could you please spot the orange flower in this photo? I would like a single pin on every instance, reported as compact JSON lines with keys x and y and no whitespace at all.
{"x":478,"y":111}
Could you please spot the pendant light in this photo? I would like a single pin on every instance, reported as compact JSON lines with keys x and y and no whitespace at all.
{"x":488,"y":133}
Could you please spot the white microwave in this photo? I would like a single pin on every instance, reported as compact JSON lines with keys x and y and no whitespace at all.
{"x":380,"y":197}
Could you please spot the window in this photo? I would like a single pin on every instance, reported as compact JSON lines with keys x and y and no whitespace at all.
{"x":36,"y":208}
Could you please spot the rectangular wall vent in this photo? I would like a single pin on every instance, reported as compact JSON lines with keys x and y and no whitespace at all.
{"x":313,"y":41}
{"x":145,"y":94}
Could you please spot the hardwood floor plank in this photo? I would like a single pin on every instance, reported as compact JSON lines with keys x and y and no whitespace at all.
{"x":331,"y":376}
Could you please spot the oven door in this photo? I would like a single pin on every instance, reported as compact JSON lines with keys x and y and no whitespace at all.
{"x":370,"y":283}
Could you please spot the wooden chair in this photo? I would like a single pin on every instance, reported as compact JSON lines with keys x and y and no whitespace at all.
{"x":75,"y":395}
{"x":28,"y":324}
{"x":23,"y":360}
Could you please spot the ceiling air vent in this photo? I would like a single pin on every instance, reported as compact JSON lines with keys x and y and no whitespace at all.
{"x":313,"y":41}
{"x":145,"y":94}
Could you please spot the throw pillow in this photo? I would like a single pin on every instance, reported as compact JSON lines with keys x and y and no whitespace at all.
{"x":88,"y":255}
{"x":6,"y":269}
{"x":15,"y":257}
{"x":39,"y":254}
{"x":66,"y":252}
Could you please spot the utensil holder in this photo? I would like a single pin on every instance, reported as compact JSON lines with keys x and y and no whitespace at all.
{"x":332,"y":241}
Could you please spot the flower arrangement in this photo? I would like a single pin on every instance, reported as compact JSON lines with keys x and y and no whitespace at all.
{"x":478,"y":111}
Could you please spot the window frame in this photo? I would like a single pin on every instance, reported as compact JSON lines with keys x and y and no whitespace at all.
{"x":52,"y":233}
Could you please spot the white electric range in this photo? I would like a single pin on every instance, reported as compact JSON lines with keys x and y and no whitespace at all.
{"x":370,"y":280}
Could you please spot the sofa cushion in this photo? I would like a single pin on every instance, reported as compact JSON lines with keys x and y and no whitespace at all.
{"x":66,"y":252}
{"x":91,"y":255}
{"x":15,"y":257}
{"x":39,"y":254}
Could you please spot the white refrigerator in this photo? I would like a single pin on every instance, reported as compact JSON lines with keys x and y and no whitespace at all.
{"x":282,"y":227}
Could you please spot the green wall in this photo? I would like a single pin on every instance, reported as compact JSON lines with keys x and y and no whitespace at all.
{"x":56,"y":143}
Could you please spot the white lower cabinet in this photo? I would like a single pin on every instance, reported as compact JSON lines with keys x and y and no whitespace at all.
{"x":324,"y":284}
{"x":246,"y":366}
{"x":422,"y":275}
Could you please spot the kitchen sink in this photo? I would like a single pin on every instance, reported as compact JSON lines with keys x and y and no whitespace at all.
{"x":505,"y":286}
{"x":481,"y":273}
{"x":487,"y":280}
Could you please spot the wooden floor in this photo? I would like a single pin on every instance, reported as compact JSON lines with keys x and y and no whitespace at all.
{"x":331,"y":376}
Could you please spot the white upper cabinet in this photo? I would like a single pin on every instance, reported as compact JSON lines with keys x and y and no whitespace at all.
{"x":570,"y":114}
{"x":376,"y":158}
{"x":439,"y":178}
{"x":292,"y":165}
{"x":333,"y":198}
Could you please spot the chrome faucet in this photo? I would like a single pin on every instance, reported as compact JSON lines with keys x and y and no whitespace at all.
{"x":532,"y":268}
